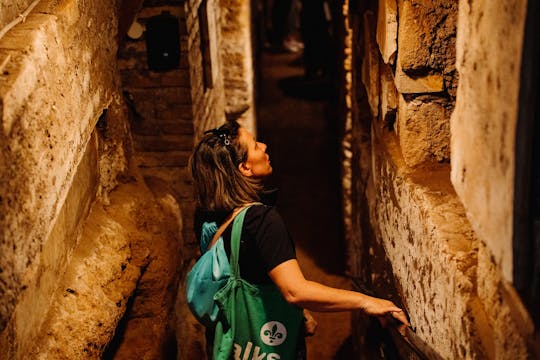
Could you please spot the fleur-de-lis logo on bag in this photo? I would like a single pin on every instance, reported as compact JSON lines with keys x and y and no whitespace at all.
{"x":273,"y":333}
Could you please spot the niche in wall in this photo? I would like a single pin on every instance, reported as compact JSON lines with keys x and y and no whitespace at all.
{"x":163,"y":42}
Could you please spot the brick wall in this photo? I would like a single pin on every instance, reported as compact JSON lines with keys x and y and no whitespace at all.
{"x":170,"y":109}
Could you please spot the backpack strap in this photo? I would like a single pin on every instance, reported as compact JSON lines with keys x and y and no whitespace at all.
{"x":235,"y":242}
{"x":226,"y":223}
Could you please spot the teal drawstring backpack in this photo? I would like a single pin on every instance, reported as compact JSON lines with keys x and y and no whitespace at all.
{"x":255,"y":321}
{"x":209,"y":274}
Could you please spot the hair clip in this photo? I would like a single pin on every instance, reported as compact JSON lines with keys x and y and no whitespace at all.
{"x":225,"y":138}
{"x":222,"y":134}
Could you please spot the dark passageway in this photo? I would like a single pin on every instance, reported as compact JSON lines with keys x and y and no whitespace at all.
{"x":302,"y":142}
{"x":412,"y":174}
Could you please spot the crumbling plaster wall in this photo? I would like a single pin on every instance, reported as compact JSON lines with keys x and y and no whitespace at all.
{"x":433,"y":236}
{"x":79,"y":230}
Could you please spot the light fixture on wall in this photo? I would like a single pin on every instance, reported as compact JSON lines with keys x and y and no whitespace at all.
{"x":136,"y":30}
{"x":163,"y":42}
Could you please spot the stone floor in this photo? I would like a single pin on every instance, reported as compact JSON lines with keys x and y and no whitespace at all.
{"x":295,"y":121}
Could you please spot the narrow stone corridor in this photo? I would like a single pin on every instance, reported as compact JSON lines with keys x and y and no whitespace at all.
{"x":302,"y":143}
{"x":413,"y":177}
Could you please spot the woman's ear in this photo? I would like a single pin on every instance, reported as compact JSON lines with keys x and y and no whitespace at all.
{"x":245,"y":169}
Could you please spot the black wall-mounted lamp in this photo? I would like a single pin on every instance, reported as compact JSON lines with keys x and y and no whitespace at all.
{"x":163,"y":42}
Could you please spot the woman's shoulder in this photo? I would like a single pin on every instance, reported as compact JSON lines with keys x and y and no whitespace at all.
{"x":262,"y":216}
{"x":261,"y":211}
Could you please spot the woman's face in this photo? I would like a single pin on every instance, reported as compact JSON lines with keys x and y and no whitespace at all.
{"x":257,"y":164}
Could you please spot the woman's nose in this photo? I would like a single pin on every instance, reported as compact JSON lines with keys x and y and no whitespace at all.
{"x":263,"y":145}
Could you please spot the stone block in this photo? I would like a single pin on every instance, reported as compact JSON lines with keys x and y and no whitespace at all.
{"x":387,"y":28}
{"x":370,"y":64}
{"x":484,"y":123}
{"x":426,"y":44}
{"x":423,"y":128}
{"x":413,"y":49}
{"x":426,"y":34}
{"x":30,"y":34}
{"x":389,"y":95}
{"x":25,"y":50}
{"x":424,"y":84}
{"x":179,"y":181}
{"x":177,"y":127}
{"x":17,"y":82}
{"x":212,"y":43}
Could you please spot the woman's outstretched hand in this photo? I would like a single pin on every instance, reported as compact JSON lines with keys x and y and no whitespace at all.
{"x":380,"y":307}
{"x":318,"y":297}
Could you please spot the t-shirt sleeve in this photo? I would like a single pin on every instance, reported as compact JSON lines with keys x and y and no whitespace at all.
{"x":273,"y":242}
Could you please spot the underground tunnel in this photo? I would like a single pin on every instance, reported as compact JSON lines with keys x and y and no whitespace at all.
{"x":403,"y":135}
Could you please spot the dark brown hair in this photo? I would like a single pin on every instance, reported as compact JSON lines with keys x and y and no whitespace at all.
{"x":219,"y":184}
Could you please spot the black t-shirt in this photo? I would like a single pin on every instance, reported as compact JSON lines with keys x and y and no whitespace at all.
{"x":265,"y":243}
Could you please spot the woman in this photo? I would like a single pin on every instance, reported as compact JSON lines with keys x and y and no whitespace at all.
{"x":228,"y":166}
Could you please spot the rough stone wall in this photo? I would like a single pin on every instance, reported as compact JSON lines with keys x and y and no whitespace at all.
{"x":43,"y":135}
{"x":401,"y":191}
{"x":483,"y":131}
{"x":80,"y":230}
{"x":484,"y":126}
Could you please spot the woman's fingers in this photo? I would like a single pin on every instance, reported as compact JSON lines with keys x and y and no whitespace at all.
{"x":400,"y":316}
{"x":380,"y":307}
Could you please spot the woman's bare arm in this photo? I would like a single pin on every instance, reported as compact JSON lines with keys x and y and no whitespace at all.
{"x":317,"y":297}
